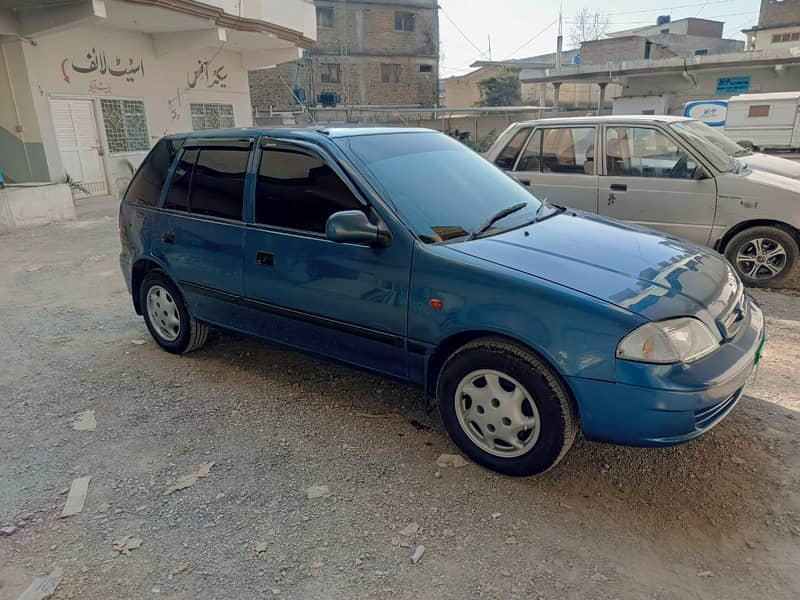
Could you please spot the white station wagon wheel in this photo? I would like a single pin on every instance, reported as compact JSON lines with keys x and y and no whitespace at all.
{"x":762,"y":256}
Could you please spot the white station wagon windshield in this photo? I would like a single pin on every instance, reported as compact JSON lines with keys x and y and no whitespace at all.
{"x":715,"y":146}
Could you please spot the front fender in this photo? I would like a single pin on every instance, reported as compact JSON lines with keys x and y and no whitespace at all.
{"x":577,"y":334}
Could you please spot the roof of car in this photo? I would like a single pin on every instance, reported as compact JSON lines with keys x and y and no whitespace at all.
{"x":339,"y":131}
{"x":612,"y":119}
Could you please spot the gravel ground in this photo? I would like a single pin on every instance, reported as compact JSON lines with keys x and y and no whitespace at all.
{"x":717,"y":518}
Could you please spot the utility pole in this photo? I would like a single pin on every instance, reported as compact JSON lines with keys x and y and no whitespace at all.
{"x":490,"y":46}
{"x":560,"y":38}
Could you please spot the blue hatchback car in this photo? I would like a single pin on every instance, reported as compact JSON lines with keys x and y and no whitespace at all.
{"x":403,"y":252}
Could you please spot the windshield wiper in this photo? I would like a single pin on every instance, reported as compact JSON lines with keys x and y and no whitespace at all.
{"x":500,"y":214}
{"x":743,"y":152}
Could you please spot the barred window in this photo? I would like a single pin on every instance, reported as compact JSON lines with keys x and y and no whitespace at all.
{"x":126,"y":125}
{"x":209,"y":115}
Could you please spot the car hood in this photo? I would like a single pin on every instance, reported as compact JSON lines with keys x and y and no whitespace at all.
{"x":760,"y":185}
{"x":640,"y":270}
{"x":773,"y":164}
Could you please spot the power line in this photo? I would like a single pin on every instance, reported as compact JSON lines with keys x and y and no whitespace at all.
{"x":701,"y":8}
{"x":464,"y":35}
{"x":669,"y":8}
{"x":572,"y":21}
{"x":532,"y":39}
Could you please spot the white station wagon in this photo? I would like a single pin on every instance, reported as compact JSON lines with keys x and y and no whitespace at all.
{"x":665,"y":173}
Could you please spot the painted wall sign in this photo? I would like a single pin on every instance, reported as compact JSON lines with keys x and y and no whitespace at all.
{"x":98,"y":63}
{"x":98,"y":87}
{"x":711,"y":112}
{"x":212,"y":77}
{"x":733,"y":85}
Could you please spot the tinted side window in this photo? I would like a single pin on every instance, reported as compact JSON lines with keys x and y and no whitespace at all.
{"x":145,"y":188}
{"x":531,"y":157}
{"x":178,"y":196}
{"x":299,"y":191}
{"x":507,"y":158}
{"x":568,"y":150}
{"x":218,"y":182}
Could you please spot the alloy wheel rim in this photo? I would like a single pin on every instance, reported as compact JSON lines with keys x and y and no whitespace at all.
{"x":497,"y":413}
{"x":163,"y":313}
{"x":761,"y":258}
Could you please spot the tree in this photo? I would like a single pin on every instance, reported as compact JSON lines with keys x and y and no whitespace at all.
{"x":588,"y":25}
{"x":500,"y":91}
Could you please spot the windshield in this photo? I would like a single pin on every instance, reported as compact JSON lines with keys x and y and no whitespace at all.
{"x":714,"y":145}
{"x":440,"y":187}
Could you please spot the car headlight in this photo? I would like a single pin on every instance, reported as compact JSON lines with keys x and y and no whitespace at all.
{"x":676,"y":340}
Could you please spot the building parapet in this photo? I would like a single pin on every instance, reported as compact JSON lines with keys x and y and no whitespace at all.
{"x":608,"y":71}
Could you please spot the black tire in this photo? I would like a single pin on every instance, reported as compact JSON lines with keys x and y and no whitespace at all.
{"x":744,"y":241}
{"x":558,"y":422}
{"x":191,"y":334}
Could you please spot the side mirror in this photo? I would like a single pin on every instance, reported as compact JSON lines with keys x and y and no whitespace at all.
{"x":353,"y":227}
{"x":700,"y":173}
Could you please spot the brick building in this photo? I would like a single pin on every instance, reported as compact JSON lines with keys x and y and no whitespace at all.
{"x":682,"y":38}
{"x":372,"y":52}
{"x":778,"y":26}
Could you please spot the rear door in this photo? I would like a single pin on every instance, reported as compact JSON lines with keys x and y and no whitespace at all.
{"x":202,"y":233}
{"x":558,"y":165}
{"x":648,"y":180}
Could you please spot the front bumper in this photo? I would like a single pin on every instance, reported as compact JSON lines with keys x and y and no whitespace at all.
{"x":664,"y":405}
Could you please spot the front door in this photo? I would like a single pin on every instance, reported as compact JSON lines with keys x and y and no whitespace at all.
{"x":79,"y":145}
{"x":558,"y":165}
{"x":650,"y":180}
{"x":346,"y":301}
{"x":200,"y":231}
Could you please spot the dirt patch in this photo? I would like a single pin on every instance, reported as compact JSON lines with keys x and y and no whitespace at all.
{"x":717,"y":518}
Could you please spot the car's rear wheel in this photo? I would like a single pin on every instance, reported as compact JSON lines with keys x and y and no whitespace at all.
{"x":167,"y":316}
{"x":505,"y":408}
{"x":763,"y":256}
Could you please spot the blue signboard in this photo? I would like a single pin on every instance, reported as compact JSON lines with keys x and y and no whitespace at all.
{"x":733,"y":85}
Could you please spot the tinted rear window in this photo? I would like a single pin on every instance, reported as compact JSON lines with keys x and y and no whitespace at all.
{"x":218,"y":183}
{"x":145,"y":188}
{"x":178,"y":197}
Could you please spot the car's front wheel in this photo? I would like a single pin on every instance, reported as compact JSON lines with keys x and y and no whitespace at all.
{"x":763,"y":256}
{"x":505,"y":408}
{"x":167,"y":316}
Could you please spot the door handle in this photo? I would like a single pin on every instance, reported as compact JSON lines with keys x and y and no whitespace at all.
{"x":265,"y":259}
{"x":619,"y":187}
{"x":168,"y":237}
{"x":525,"y":182}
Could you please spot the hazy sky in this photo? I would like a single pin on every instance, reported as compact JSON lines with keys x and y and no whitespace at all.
{"x":533,"y":23}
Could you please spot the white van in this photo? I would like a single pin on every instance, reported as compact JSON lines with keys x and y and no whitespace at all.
{"x":765,"y":121}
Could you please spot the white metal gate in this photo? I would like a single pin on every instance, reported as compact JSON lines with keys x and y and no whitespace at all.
{"x":79,"y":145}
